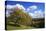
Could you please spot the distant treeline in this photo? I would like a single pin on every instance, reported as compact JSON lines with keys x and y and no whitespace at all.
{"x":38,"y":19}
{"x":38,"y":22}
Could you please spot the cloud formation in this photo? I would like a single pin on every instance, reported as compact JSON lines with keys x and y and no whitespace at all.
{"x":9,"y":6}
{"x":31,"y":8}
{"x":36,"y":14}
{"x":17,"y":5}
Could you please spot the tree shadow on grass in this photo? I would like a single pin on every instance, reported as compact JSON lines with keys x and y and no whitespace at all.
{"x":16,"y":25}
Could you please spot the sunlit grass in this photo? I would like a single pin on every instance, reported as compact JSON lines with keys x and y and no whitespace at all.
{"x":9,"y":27}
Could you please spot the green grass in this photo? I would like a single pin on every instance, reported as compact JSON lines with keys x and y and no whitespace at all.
{"x":10,"y":27}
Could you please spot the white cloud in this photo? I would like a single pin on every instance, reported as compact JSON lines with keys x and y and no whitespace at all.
{"x":15,"y":6}
{"x":20,"y":6}
{"x":31,"y":14}
{"x":31,"y":8}
{"x":7,"y":13}
{"x":9,"y":7}
{"x":38,"y":11}
{"x":37,"y":14}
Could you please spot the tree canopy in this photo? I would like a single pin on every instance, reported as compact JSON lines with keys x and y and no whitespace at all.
{"x":19,"y":17}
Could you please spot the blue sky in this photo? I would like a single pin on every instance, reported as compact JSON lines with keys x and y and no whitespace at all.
{"x":26,"y":4}
{"x":35,"y":9}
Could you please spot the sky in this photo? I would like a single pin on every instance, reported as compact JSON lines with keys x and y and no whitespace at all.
{"x":34,"y":9}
